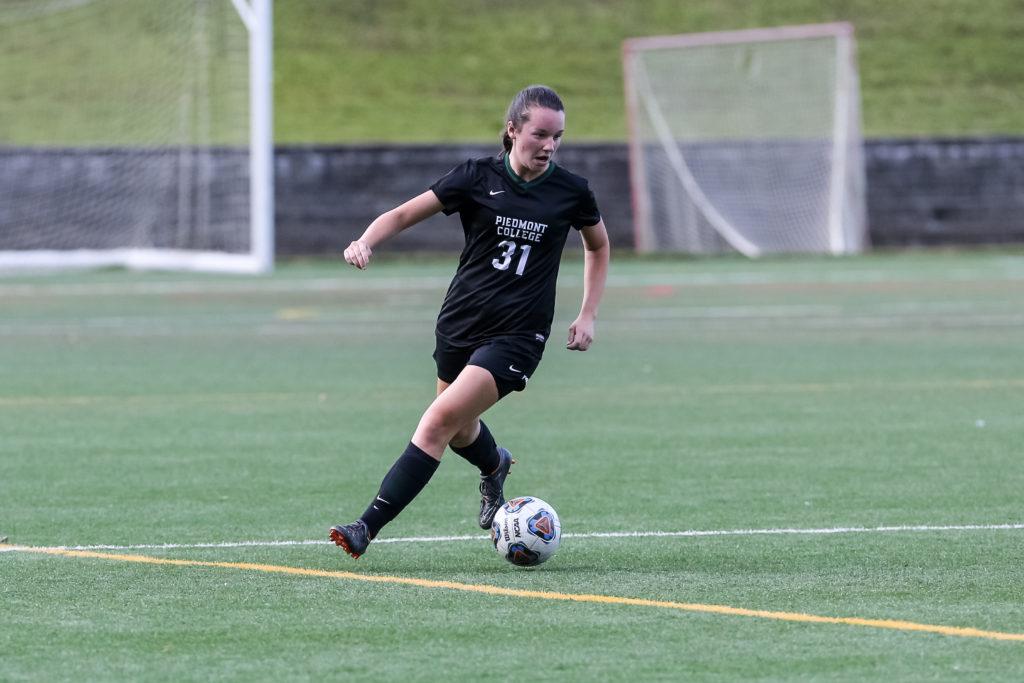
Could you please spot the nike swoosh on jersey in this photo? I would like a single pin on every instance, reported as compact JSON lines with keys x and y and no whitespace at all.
{"x":513,"y":368}
{"x":494,"y":192}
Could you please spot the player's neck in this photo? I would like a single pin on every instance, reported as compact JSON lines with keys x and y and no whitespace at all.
{"x":522,"y":171}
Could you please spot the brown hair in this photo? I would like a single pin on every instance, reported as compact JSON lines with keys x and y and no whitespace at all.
{"x":519,"y":110}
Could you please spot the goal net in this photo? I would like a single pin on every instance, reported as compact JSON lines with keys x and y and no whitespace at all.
{"x":136,"y":134}
{"x":747,"y":141}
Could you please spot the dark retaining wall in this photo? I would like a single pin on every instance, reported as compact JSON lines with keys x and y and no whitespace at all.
{"x":947,"y":191}
{"x":326,"y":196}
{"x":920,"y":192}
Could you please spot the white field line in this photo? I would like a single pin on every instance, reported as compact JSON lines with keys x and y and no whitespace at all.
{"x":1010,"y":271}
{"x":693,"y":533}
{"x":766,"y":317}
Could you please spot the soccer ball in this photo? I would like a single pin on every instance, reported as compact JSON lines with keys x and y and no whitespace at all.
{"x":526,"y":531}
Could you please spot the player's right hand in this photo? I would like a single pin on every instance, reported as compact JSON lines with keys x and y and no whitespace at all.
{"x":358,"y":254}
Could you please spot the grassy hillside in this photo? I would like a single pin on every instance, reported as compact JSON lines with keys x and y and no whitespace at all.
{"x":445,"y":69}
{"x":430,"y":70}
{"x":410,"y":70}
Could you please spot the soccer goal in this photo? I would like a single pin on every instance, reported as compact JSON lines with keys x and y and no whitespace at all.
{"x":136,"y":134}
{"x":746,"y":141}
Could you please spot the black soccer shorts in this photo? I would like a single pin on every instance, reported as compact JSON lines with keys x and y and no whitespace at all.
{"x":511,"y":360}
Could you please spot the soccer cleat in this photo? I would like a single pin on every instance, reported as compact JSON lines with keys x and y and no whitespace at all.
{"x":492,"y":494}
{"x":353,"y":538}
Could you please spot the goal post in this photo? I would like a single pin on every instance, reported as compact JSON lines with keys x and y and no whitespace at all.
{"x":136,"y":134}
{"x":746,"y":141}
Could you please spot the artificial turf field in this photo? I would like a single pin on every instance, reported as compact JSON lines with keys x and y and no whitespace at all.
{"x":836,"y":438}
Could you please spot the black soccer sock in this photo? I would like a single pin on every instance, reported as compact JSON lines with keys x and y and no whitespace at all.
{"x":401,"y":484}
{"x":483,"y":452}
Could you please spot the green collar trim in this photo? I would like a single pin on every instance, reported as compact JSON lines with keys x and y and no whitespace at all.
{"x":527,"y":184}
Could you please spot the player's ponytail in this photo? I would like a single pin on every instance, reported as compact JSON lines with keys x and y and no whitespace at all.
{"x":519,"y":111}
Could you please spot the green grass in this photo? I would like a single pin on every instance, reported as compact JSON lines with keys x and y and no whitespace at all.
{"x":410,"y":71}
{"x":721,"y":394}
{"x":444,"y":70}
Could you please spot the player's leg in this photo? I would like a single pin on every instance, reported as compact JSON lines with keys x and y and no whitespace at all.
{"x":472,"y":392}
{"x":510,"y":361}
{"x":474,"y":442}
{"x":460,"y":404}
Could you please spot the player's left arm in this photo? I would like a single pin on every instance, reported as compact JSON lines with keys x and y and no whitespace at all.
{"x":596,"y":252}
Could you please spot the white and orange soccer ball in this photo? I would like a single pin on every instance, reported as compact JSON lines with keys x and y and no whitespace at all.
{"x":526,"y":531}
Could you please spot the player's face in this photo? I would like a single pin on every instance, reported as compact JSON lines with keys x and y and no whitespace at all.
{"x":535,"y":143}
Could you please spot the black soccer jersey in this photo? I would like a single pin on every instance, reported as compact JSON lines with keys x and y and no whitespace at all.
{"x":515,"y":232}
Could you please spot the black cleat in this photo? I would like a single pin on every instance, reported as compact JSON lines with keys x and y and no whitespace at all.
{"x":492,"y":494}
{"x":353,"y":538}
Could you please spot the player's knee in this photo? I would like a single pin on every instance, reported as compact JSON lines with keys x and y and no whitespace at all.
{"x":466,"y":434}
{"x":438,"y":425}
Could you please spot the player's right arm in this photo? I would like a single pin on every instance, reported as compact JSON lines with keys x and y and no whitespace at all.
{"x":389,"y":224}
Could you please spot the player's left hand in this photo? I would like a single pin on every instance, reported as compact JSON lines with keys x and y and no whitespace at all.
{"x":581,"y":334}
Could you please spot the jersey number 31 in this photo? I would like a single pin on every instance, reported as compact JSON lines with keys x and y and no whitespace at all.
{"x":503,"y":261}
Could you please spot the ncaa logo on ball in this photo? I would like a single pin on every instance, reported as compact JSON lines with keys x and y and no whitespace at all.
{"x":526,"y":531}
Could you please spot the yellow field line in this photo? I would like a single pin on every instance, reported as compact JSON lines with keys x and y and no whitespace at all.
{"x":896,"y":625}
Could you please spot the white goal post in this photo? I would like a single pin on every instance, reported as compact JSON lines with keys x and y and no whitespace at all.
{"x":746,"y":141}
{"x":136,"y":134}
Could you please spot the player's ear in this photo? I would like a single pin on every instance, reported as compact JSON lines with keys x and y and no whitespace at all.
{"x":510,"y":129}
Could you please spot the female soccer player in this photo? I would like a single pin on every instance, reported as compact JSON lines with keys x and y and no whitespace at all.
{"x":516,"y":211}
